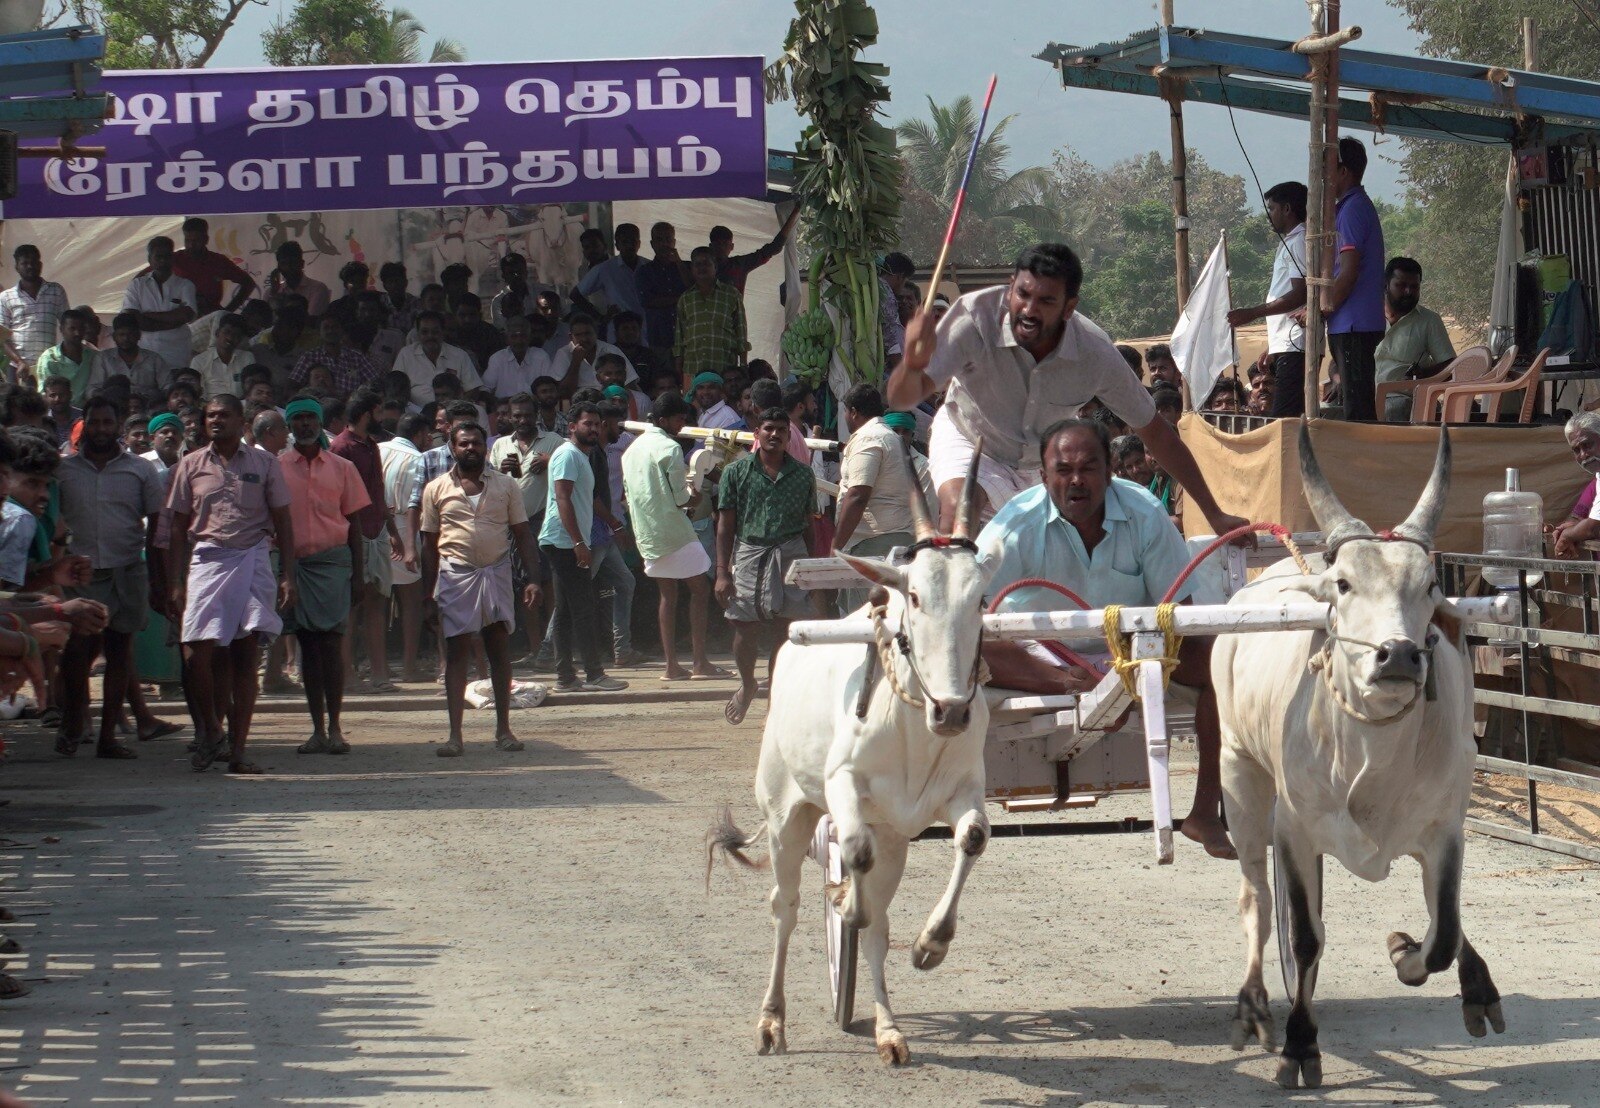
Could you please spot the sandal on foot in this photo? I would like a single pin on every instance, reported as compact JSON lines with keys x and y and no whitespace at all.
{"x":248,"y":769}
{"x":507,"y":742}
{"x":66,"y":746}
{"x":384,"y":688}
{"x":338,"y":746}
{"x":50,"y":717}
{"x":11,"y":988}
{"x":450,"y":750}
{"x":207,"y":751}
{"x":115,"y":751}
{"x":737,"y":706}
{"x":161,"y":730}
{"x":717,"y":674}
{"x":316,"y":744}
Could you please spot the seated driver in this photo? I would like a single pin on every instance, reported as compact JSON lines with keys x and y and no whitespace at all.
{"x":1109,"y":541}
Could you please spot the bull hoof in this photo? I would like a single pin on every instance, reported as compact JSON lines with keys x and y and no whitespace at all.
{"x":1253,"y":1019}
{"x":1293,"y":1072}
{"x":1475,"y":1016}
{"x":769,"y":1036}
{"x":1406,"y":954}
{"x":927,"y":955}
{"x":892,"y":1048}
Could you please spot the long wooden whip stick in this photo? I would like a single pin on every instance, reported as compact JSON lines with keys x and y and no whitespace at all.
{"x":961,"y":198}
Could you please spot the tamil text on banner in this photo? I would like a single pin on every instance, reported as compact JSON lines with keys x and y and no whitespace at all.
{"x":413,"y":136}
{"x":1202,"y":342}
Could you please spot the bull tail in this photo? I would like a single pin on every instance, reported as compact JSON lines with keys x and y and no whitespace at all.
{"x":724,"y":837}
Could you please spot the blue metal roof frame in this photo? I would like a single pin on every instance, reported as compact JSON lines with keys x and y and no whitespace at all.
{"x":1465,"y":101}
{"x":48,"y":81}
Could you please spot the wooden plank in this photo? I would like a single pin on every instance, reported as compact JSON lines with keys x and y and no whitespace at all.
{"x":1549,"y":776}
{"x":1494,"y":698}
{"x":1543,"y":842}
{"x":1537,"y":636}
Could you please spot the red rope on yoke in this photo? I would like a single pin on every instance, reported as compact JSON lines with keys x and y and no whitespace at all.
{"x":1277,"y":530}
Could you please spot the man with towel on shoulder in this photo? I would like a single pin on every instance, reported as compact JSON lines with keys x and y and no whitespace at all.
{"x":227,"y":501}
{"x":469,"y":517}
{"x":326,"y":497}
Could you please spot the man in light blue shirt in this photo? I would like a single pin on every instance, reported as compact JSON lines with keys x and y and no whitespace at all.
{"x":1111,"y":542}
{"x":613,"y":277}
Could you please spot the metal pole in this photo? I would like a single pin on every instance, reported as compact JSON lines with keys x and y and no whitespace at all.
{"x":1180,"y":184}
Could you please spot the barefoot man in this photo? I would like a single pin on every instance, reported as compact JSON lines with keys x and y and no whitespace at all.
{"x":227,"y":501}
{"x":1014,"y":359}
{"x":1109,"y":541}
{"x":469,"y":517}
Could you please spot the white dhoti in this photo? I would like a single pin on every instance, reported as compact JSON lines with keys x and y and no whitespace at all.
{"x":950,"y":456}
{"x":689,"y":560}
{"x":231,"y":593}
{"x":470,"y":598}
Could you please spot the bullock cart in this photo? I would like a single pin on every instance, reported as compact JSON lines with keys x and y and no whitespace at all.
{"x":1050,"y":753}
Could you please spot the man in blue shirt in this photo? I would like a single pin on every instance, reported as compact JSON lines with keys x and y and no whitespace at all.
{"x":1110,"y":542}
{"x":1354,"y":302}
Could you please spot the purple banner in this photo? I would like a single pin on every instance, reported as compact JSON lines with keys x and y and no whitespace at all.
{"x":413,"y":136}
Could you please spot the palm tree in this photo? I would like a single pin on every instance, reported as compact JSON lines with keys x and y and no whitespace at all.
{"x":400,"y":42}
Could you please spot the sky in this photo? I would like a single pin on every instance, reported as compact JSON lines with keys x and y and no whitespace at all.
{"x":940,"y":49}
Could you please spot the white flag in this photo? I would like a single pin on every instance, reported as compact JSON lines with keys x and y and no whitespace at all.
{"x":1202,"y":342}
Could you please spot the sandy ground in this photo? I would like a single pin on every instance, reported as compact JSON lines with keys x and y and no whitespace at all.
{"x":531,"y":928}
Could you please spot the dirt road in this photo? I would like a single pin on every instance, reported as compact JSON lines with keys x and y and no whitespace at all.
{"x":531,"y":928}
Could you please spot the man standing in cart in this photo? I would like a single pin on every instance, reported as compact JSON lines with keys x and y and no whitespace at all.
{"x":1013,"y":360}
{"x":1109,"y":541}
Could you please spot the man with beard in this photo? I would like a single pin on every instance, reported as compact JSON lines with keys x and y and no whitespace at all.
{"x":147,"y":372}
{"x":470,"y":515}
{"x":165,"y":303}
{"x":227,"y":502}
{"x":326,"y":498}
{"x":1015,"y":359}
{"x":166,"y":441}
{"x":1583,"y":524}
{"x":1416,"y":343}
{"x":109,"y":499}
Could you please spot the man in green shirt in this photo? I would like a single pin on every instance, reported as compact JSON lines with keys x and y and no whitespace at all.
{"x":1416,"y":343}
{"x":655,"y":480}
{"x":73,"y":359}
{"x":711,"y":334}
{"x":764,"y":502}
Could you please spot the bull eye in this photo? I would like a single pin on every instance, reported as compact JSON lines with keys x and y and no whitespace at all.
{"x":1344,"y":586}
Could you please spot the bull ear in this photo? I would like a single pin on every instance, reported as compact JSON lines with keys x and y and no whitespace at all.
{"x":879,"y":573}
{"x":1319,"y":587}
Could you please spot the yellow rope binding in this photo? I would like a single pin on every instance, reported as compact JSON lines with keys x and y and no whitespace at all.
{"x":1124,"y":664}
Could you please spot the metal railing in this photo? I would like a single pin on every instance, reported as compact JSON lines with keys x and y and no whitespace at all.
{"x":1534,"y":707}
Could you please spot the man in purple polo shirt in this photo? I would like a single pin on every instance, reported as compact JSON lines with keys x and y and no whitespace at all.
{"x":1354,"y":302}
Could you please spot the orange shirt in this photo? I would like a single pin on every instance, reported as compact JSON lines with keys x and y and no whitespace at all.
{"x":324,"y":491}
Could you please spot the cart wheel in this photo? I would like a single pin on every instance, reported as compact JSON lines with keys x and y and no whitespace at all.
{"x":1280,"y":904}
{"x":843,"y":941}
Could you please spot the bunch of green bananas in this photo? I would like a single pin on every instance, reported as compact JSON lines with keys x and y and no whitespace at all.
{"x":808,"y":343}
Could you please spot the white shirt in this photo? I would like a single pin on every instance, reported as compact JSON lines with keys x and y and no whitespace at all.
{"x":422,"y":370}
{"x":507,"y":376}
{"x":145,"y":295}
{"x":996,"y":389}
{"x":218,"y":376}
{"x":1284,"y":335}
{"x":561,"y":361}
{"x":1594,"y":509}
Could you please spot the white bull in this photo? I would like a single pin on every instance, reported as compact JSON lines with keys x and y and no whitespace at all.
{"x":884,"y":766}
{"x":1362,"y":738}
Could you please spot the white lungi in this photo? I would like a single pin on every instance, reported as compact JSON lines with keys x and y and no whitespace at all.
{"x":689,"y":560}
{"x":470,"y":598}
{"x":231,"y":593}
{"x":950,"y":456}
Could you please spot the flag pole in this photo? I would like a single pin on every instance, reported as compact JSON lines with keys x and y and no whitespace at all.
{"x":1233,"y":335}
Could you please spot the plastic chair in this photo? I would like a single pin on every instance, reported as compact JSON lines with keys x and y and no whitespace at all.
{"x":1480,"y":367}
{"x":1473,"y":361}
{"x":1457,"y":401}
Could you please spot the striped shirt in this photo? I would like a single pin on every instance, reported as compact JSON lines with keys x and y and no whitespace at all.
{"x":32,"y":319}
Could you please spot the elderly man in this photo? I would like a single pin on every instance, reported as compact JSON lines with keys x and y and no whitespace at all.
{"x":1583,"y":525}
{"x":764,"y":503}
{"x":430,"y":355}
{"x":874,"y":513}
{"x":326,"y":498}
{"x":1013,"y":360}
{"x":227,"y":503}
{"x":209,"y":270}
{"x":1416,"y":343}
{"x":469,"y":518}
{"x":166,"y":442}
{"x":222,"y":365}
{"x":1110,"y":542}
{"x":656,"y":482}
{"x":110,"y":500}
{"x":166,"y":304}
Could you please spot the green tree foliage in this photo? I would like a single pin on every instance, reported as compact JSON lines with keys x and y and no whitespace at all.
{"x":160,"y":34}
{"x":352,"y":32}
{"x":1458,"y":189}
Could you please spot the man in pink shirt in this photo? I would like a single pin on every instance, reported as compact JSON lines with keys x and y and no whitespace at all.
{"x":227,"y":502}
{"x":326,"y":498}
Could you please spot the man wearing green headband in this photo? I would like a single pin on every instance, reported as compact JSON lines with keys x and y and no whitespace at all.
{"x":326,"y":496}
{"x":166,"y":442}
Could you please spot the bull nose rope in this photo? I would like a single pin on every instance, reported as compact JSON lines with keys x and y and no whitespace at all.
{"x":887,"y":643}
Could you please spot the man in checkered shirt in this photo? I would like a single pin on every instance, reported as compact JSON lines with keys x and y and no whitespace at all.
{"x":30,"y":311}
{"x":349,"y":367}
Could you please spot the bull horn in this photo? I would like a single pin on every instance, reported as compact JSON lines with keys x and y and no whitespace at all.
{"x":964,"y":523}
{"x":921,"y":521}
{"x":1424,"y":518}
{"x":1335,"y":522}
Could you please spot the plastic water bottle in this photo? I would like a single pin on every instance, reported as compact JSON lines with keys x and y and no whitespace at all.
{"x":1513,"y":527}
